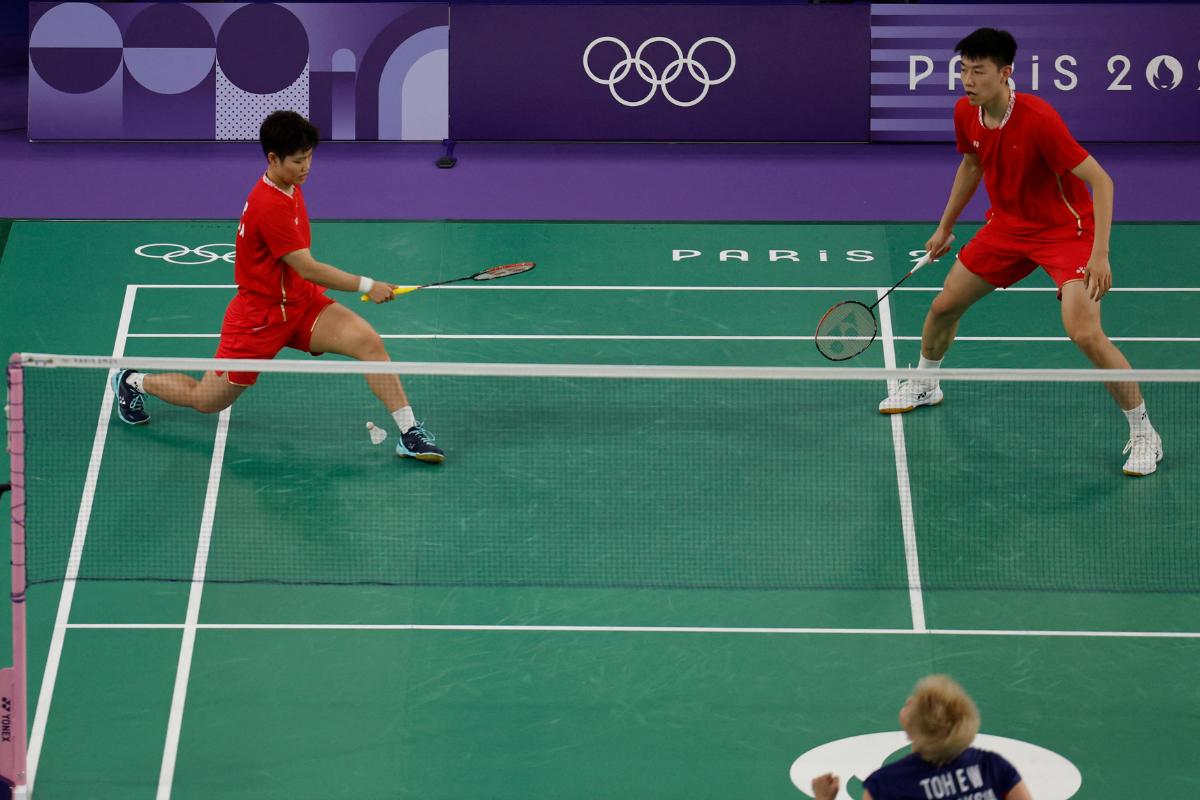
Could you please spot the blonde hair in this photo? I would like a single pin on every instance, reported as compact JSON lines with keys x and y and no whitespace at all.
{"x":942,"y":721}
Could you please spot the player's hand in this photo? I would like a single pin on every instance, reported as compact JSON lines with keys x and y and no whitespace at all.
{"x":382,"y":292}
{"x":825,"y":787}
{"x":1097,"y":277}
{"x":939,"y":244}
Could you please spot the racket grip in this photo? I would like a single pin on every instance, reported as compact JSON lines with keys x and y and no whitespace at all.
{"x":397,"y":291}
{"x":925,"y":259}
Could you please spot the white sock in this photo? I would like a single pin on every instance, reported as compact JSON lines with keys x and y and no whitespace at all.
{"x":404,"y":418}
{"x":135,"y":379}
{"x":925,"y":363}
{"x":1139,"y":420}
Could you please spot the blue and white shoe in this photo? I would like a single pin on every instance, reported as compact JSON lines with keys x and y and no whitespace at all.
{"x":131,"y":404}
{"x":417,"y":443}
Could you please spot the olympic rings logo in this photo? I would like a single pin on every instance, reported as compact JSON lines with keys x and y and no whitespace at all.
{"x":178,"y":254}
{"x":634,"y":61}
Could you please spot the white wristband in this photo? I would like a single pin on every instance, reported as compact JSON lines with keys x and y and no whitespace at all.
{"x":365,"y":284}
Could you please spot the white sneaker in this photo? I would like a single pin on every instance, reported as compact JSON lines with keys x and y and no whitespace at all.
{"x":910,"y":394}
{"x":1145,"y":451}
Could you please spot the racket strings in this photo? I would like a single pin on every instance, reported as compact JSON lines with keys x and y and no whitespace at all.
{"x":503,"y":271}
{"x":846,"y":330}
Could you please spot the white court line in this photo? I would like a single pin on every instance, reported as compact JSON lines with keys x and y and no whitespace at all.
{"x":673,"y":338}
{"x":908,"y":523}
{"x":187,"y":646}
{"x":523,"y":287}
{"x":37,"y":733}
{"x":684,"y":629}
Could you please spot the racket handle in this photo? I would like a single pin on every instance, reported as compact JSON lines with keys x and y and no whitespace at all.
{"x":925,"y":259}
{"x":397,"y":291}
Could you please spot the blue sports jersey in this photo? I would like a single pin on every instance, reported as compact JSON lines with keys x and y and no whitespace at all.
{"x":974,"y":775}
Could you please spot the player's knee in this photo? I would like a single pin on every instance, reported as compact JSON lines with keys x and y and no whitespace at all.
{"x":369,"y":347}
{"x":1087,"y":337}
{"x":211,"y":405}
{"x":945,"y":307}
{"x":211,"y":402}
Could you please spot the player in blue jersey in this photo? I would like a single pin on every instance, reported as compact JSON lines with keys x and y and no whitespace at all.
{"x":941,"y":720}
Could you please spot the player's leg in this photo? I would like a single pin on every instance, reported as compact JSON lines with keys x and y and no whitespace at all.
{"x":961,"y":290}
{"x":340,"y":330}
{"x":337,"y":329}
{"x":1081,"y":320}
{"x":208,"y":395}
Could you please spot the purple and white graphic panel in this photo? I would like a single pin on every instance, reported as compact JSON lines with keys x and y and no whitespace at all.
{"x":214,"y":70}
{"x":1114,"y":72}
{"x":659,"y":72}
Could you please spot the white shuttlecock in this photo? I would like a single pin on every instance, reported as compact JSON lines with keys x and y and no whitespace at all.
{"x":377,"y":434}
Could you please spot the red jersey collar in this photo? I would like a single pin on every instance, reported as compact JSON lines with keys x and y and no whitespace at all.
{"x":292,"y":194}
{"x":1012,"y":100}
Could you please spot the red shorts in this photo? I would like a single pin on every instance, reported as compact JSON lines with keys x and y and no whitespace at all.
{"x":252,"y":330}
{"x":1002,"y":258}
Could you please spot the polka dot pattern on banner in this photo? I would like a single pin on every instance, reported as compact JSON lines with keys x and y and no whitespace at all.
{"x":240,"y":113}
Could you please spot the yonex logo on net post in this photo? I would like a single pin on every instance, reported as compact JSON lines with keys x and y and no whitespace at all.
{"x":646,"y":71}
{"x":184,"y":256}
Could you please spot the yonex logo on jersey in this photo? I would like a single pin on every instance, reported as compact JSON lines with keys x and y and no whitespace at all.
{"x":184,"y":256}
{"x":856,"y":757}
{"x":646,"y":71}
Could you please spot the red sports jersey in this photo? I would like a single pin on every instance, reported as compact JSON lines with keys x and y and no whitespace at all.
{"x":1026,"y":166}
{"x":273,"y":224}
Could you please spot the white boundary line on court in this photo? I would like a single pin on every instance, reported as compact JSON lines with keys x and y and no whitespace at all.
{"x":642,"y":288}
{"x":912,"y":563}
{"x":681,"y":338}
{"x":37,"y":732}
{"x":684,"y":629}
{"x":188,"y":643}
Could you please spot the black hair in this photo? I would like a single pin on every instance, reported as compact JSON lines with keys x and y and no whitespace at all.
{"x":286,"y":133}
{"x":989,"y":43}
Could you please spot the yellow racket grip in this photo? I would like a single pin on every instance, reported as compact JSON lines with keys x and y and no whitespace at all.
{"x":397,"y":291}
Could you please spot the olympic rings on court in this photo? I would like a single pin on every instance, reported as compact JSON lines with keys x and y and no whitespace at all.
{"x":647,"y":72}
{"x":178,"y":253}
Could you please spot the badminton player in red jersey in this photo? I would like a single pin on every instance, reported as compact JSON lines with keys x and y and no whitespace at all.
{"x":1037,"y":179}
{"x":281,"y":300}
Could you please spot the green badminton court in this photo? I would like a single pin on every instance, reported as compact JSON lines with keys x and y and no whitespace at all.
{"x":631,"y":587}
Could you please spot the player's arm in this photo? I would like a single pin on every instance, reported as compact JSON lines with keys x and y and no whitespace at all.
{"x":331,"y":277}
{"x":1019,"y":792}
{"x":1099,"y":271}
{"x":966,"y":181}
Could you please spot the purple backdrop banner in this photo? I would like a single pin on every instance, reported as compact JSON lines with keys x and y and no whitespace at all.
{"x":660,"y":72}
{"x":1115,"y":72}
{"x":214,"y":70}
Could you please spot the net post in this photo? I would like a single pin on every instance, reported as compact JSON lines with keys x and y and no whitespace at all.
{"x":13,"y":679}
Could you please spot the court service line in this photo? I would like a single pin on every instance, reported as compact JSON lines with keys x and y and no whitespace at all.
{"x":683,"y":629}
{"x":908,"y":523}
{"x":687,"y":338}
{"x":37,"y":732}
{"x":524,"y":287}
{"x":187,"y":646}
